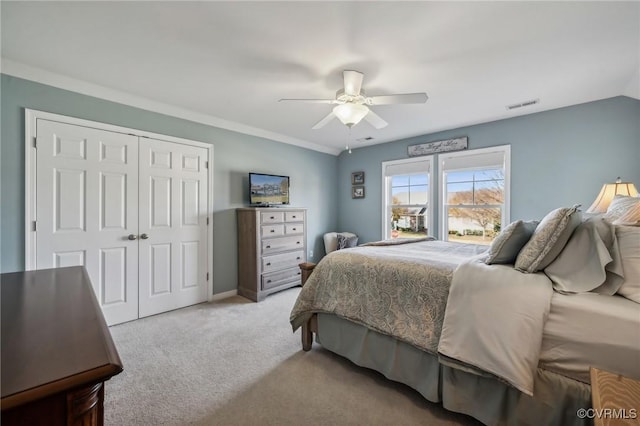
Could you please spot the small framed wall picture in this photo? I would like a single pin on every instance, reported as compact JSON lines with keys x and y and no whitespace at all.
{"x":357,"y":178}
{"x":357,"y":192}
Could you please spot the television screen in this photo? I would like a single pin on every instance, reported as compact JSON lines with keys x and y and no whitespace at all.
{"x":268,"y":189}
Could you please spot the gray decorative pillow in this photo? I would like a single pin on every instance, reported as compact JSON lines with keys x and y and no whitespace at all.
{"x":509,"y":242}
{"x":345,"y":241}
{"x":548,"y":239}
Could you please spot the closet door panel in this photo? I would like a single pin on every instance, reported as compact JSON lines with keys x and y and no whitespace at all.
{"x":87,"y":196}
{"x":173,"y":213}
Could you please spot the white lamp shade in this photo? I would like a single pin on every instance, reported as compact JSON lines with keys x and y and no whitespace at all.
{"x":610,"y":190}
{"x":350,"y":114}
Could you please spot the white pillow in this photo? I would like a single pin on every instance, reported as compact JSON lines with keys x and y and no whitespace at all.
{"x":624,"y":210}
{"x":629,"y":244}
{"x":631,"y":217}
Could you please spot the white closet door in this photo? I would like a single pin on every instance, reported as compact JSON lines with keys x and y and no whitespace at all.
{"x":87,"y":196}
{"x":173,"y":215}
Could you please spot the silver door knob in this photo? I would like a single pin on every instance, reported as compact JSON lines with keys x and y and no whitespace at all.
{"x":144,"y":236}
{"x":132,"y":237}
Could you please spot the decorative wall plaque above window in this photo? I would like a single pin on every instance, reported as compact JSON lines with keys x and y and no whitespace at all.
{"x":437,"y":146}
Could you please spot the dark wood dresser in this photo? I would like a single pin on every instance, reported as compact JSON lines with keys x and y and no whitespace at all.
{"x":56,"y":349}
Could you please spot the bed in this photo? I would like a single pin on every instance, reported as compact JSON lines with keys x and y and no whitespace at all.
{"x":487,"y":340}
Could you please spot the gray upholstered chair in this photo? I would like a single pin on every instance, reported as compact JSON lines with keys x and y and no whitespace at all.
{"x":330,"y":244}
{"x":331,"y":240}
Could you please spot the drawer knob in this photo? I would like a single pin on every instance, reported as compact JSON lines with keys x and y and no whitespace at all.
{"x":268,"y":281}
{"x":268,"y":246}
{"x":272,"y":217}
{"x":294,"y":229}
{"x":273,"y":230}
{"x":297,"y":242}
{"x":298,"y":258}
{"x":298,"y":273}
{"x":269,"y":263}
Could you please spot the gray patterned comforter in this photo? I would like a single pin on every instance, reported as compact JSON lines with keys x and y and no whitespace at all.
{"x":400,"y":289}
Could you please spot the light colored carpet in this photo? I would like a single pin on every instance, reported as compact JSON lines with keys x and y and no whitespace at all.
{"x":235,"y":362}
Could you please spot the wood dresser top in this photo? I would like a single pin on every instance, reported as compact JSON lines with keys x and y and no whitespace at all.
{"x":53,"y":334}
{"x":616,"y":399}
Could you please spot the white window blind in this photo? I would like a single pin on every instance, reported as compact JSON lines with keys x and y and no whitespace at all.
{"x":471,"y":160}
{"x":407,"y":167}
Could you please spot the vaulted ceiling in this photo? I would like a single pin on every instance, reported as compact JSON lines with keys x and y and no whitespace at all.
{"x":228,"y":63}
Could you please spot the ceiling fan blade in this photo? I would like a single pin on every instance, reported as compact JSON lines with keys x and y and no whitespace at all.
{"x":310,"y":101}
{"x":375,"y":120}
{"x":324,"y":121}
{"x":352,"y":82}
{"x":405,"y":98}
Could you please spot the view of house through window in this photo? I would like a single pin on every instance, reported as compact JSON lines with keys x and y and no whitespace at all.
{"x":474,"y":195}
{"x":409,"y":205}
{"x":407,"y":196}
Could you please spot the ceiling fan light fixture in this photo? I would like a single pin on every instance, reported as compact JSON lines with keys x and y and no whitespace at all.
{"x":350,"y":114}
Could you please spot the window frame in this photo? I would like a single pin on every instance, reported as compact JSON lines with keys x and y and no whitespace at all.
{"x":429,"y":160}
{"x":442,"y":204}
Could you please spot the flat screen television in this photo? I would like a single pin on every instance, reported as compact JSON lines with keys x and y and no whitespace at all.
{"x":268,"y":190}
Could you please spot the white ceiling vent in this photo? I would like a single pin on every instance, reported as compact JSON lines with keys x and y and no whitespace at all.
{"x":523,"y":104}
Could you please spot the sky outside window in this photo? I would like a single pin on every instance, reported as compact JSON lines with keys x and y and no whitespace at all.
{"x":409,"y":189}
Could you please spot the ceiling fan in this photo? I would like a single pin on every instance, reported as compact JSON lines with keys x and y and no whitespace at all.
{"x":352,"y":104}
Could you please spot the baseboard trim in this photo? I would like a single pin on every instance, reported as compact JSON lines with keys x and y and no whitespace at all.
{"x":224,"y":295}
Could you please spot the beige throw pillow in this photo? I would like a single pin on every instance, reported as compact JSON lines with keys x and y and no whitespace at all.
{"x":629,"y":245}
{"x":548,"y":239}
{"x":506,"y":246}
{"x":590,"y":261}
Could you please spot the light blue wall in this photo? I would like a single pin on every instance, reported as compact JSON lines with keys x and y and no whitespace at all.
{"x":313,"y":174}
{"x":558,"y":158}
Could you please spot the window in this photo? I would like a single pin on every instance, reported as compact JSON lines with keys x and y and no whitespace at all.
{"x":407,"y":198}
{"x":474,"y":194}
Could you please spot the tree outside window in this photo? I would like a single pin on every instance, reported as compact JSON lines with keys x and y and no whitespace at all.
{"x":474,"y":204}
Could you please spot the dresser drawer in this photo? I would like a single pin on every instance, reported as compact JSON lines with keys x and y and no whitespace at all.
{"x":274,"y":245}
{"x":281,"y":261}
{"x":272,"y":230}
{"x":294,"y":216}
{"x":271,"y":217}
{"x":274,"y":279}
{"x":293,"y":228}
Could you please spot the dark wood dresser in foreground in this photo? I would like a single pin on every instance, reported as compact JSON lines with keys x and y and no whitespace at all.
{"x":56,"y":349}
